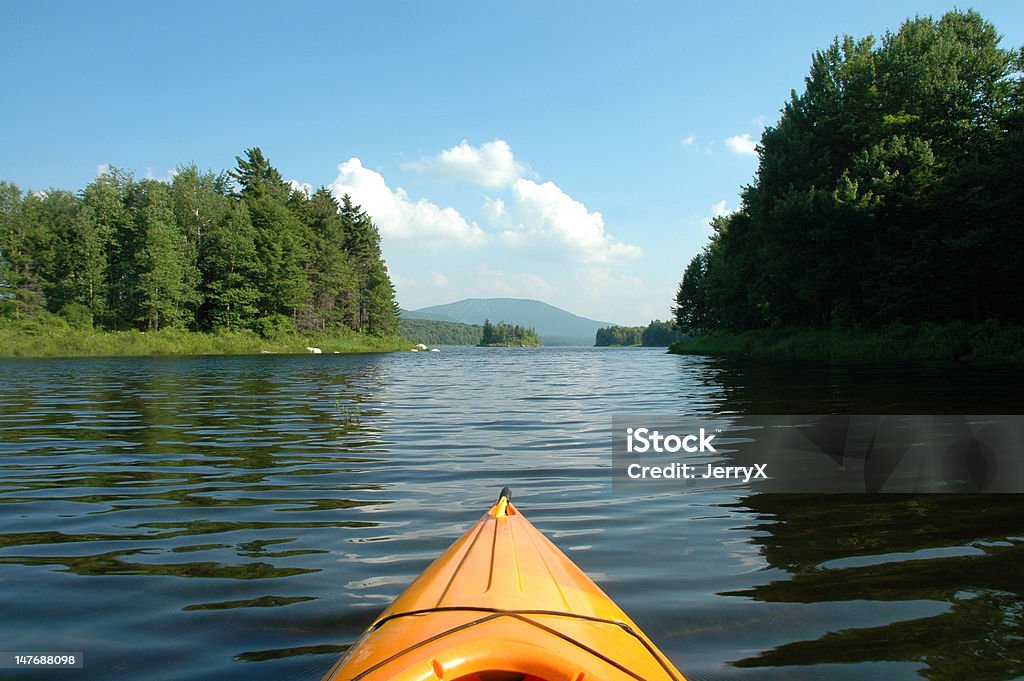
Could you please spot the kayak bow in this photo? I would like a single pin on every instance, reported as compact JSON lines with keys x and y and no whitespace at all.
{"x":503,"y":603}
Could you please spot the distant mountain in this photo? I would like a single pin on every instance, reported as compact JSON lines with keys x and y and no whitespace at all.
{"x":422,"y":314}
{"x":554,"y":325}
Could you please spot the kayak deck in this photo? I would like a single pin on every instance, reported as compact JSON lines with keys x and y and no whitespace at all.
{"x":503,"y":603}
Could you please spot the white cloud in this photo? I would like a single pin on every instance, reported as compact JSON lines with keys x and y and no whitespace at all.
{"x":304,"y":187}
{"x":688,"y":141}
{"x":438,"y":279}
{"x":742,"y":144}
{"x":494,"y":210}
{"x":544,"y":217}
{"x":721,"y":209}
{"x":396,"y":215}
{"x":102,"y":169}
{"x":490,"y":165}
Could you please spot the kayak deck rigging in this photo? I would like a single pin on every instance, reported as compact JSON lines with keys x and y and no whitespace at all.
{"x":503,"y":604}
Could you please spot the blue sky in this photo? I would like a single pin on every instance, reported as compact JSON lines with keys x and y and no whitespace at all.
{"x":566,"y":151}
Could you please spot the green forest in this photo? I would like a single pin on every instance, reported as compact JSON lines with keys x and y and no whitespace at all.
{"x":657,"y":334}
{"x":887,"y":196}
{"x":508,"y":335}
{"x":437,"y":332}
{"x":237,"y":251}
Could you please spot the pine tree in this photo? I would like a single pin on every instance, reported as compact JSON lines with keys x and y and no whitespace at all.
{"x":166,"y":284}
{"x":82,"y":235}
{"x":281,"y":238}
{"x":231,"y":272}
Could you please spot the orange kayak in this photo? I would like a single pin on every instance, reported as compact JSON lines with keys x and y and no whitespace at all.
{"x":503,"y":604}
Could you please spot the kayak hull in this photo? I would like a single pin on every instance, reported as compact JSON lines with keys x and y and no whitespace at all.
{"x":503,"y":603}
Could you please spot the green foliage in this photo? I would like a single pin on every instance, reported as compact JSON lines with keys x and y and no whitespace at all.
{"x":257,"y":179}
{"x":274,"y":326}
{"x":77,"y":316}
{"x":230,"y":272}
{"x":20,"y":285}
{"x":166,"y":282}
{"x":7,"y":295}
{"x":508,"y":335}
{"x":657,"y":334}
{"x":887,"y":193}
{"x":378,"y":311}
{"x":435,"y":332}
{"x":48,"y":335}
{"x":333,"y":276}
{"x":81,"y":242}
{"x":618,"y":336}
{"x":990,"y":341}
{"x":236,"y":251}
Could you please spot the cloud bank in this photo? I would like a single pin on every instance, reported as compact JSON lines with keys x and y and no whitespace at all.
{"x":544,"y":219}
{"x":492,"y":164}
{"x":399,"y":217}
{"x":537,"y":218}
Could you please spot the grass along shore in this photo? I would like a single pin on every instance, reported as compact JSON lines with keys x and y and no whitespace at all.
{"x":53,"y":338}
{"x":986,"y":342}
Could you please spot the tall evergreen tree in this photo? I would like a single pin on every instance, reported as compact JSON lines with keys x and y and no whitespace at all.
{"x":256,"y":178}
{"x":166,"y":283}
{"x":24,"y":247}
{"x":332,"y":276}
{"x":878,"y":196}
{"x":78,"y":271}
{"x":198,"y":207}
{"x":281,"y":238}
{"x":378,"y":309}
{"x":108,"y":226}
{"x":231,"y":272}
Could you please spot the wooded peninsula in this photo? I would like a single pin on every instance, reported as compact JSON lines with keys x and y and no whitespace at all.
{"x":885,"y":218}
{"x":240,"y":261}
{"x":657,"y":334}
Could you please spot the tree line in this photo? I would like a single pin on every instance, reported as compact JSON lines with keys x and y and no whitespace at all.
{"x":657,"y":334}
{"x":438,"y":332}
{"x":502,"y":334}
{"x":889,"y":192}
{"x":242,"y":249}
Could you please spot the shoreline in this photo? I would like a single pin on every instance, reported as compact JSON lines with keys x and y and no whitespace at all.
{"x":39,"y":341}
{"x":989,"y":342}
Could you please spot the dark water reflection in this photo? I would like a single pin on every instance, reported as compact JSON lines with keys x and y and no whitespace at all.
{"x":211,"y":518}
{"x":964,"y":552}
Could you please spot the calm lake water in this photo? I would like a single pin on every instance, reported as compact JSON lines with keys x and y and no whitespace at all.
{"x":213,"y":518}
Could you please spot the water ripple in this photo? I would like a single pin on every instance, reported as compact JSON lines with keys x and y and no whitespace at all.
{"x":215,"y":517}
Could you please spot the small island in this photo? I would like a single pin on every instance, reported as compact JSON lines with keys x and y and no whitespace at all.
{"x":508,"y":336}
